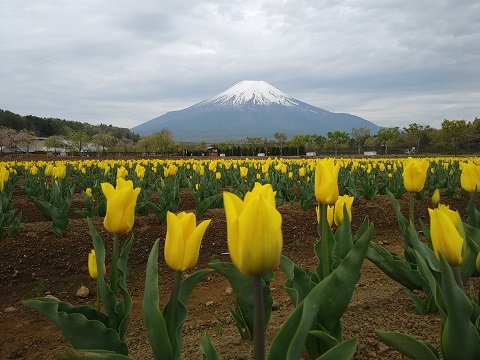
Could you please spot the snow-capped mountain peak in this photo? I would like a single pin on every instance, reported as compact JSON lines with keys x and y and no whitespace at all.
{"x":252,"y":92}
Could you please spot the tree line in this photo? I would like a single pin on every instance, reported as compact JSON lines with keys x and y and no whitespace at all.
{"x":454,"y":136}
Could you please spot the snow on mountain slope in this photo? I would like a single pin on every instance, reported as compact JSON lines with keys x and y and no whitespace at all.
{"x":251,"y":92}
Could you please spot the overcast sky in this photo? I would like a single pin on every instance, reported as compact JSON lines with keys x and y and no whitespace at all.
{"x":123,"y":62}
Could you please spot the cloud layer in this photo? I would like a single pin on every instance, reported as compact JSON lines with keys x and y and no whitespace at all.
{"x":123,"y":63}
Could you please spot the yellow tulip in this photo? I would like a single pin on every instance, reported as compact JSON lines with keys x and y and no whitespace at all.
{"x":122,"y":172}
{"x":88,"y":191}
{"x":218,"y":175}
{"x":301,"y":172}
{"x":470,"y":177}
{"x":414,"y":174}
{"x":330,"y":212}
{"x":121,"y":202}
{"x":243,"y":171}
{"x":339,"y":205}
{"x":436,"y":197}
{"x":4,"y":175}
{"x":254,"y":230}
{"x":326,"y":181}
{"x":92,"y":266}
{"x":140,"y":171}
{"x":447,"y":234}
{"x":59,"y":172}
{"x":182,"y":243}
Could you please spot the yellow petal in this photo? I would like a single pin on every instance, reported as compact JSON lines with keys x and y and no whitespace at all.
{"x":192,"y":246}
{"x":233,"y":207}
{"x":174,"y":245}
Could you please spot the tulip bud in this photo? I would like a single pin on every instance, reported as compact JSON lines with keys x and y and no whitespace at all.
{"x":447,"y":234}
{"x":121,"y":202}
{"x":92,"y":266}
{"x":342,"y":201}
{"x":326,"y":181}
{"x":415,"y":174}
{"x":254,"y":230}
{"x":436,"y":197}
{"x":330,"y":213}
{"x":182,"y":243}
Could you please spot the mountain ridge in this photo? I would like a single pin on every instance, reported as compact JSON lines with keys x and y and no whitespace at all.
{"x":250,"y":109}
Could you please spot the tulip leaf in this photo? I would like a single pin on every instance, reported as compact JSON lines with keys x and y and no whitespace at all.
{"x":403,"y":224}
{"x":214,"y":201}
{"x":299,"y":280}
{"x":77,"y":354}
{"x":118,"y":311}
{"x":187,"y":285}
{"x":344,"y":350}
{"x":395,"y":267}
{"x":423,"y":306}
{"x":408,"y":345}
{"x":52,"y":213}
{"x":155,"y":325}
{"x":433,"y":282}
{"x":460,"y":338}
{"x":84,"y":327}
{"x":242,"y":286}
{"x":343,"y":239}
{"x":239,"y":321}
{"x":473,"y":215}
{"x":208,"y":350}
{"x":322,"y":305}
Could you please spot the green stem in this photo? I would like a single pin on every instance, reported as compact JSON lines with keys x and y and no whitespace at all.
{"x":456,"y":275}
{"x":172,"y":303}
{"x":324,"y":239}
{"x":411,"y":212}
{"x":115,"y":256}
{"x":98,"y":297}
{"x":259,"y":316}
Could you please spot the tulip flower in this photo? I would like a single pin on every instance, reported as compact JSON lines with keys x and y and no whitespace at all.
{"x":92,"y":266}
{"x":326,"y":181}
{"x":339,"y":205}
{"x":122,"y":172}
{"x":121,"y":202}
{"x":254,"y":230}
{"x":88,"y":191}
{"x":243,"y":171}
{"x":470,"y":177}
{"x":218,"y":175}
{"x":436,"y":197}
{"x":182,"y":243}
{"x":330,"y":212}
{"x":447,"y":234}
{"x":414,"y":174}
{"x":59,"y":172}
{"x":4,"y":175}
{"x":140,"y":171}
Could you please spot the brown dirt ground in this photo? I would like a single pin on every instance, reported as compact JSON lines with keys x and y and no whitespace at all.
{"x":37,"y":262}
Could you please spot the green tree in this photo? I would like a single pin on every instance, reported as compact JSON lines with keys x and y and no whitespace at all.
{"x":454,"y":131}
{"x":417,"y":132}
{"x":298,"y":141}
{"x":360,"y":136}
{"x":281,"y":140}
{"x":163,"y":142}
{"x":55,"y":142}
{"x":387,"y":135}
{"x":104,"y":140}
{"x":336,"y":138}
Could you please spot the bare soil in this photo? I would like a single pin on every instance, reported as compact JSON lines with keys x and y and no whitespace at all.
{"x":37,"y":262}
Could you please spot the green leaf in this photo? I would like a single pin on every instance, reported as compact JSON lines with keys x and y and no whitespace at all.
{"x":208,"y":350}
{"x":299,"y":280}
{"x":473,"y":215}
{"x":242,"y":286}
{"x":395,"y":267}
{"x":53,"y":213}
{"x":153,"y":319}
{"x":345,"y":350}
{"x":343,"y":239}
{"x":188,"y":284}
{"x":84,"y":327}
{"x":74,"y":354}
{"x":408,"y":345}
{"x":239,"y":321}
{"x":209,"y":203}
{"x":460,"y":338}
{"x":118,"y":311}
{"x":321,"y":304}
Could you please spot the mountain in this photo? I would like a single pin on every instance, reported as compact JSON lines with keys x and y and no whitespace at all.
{"x":250,"y":109}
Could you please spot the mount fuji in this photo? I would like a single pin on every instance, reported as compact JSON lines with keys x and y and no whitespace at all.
{"x":251,"y":109}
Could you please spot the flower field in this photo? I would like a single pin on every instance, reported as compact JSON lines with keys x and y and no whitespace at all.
{"x":47,"y":207}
